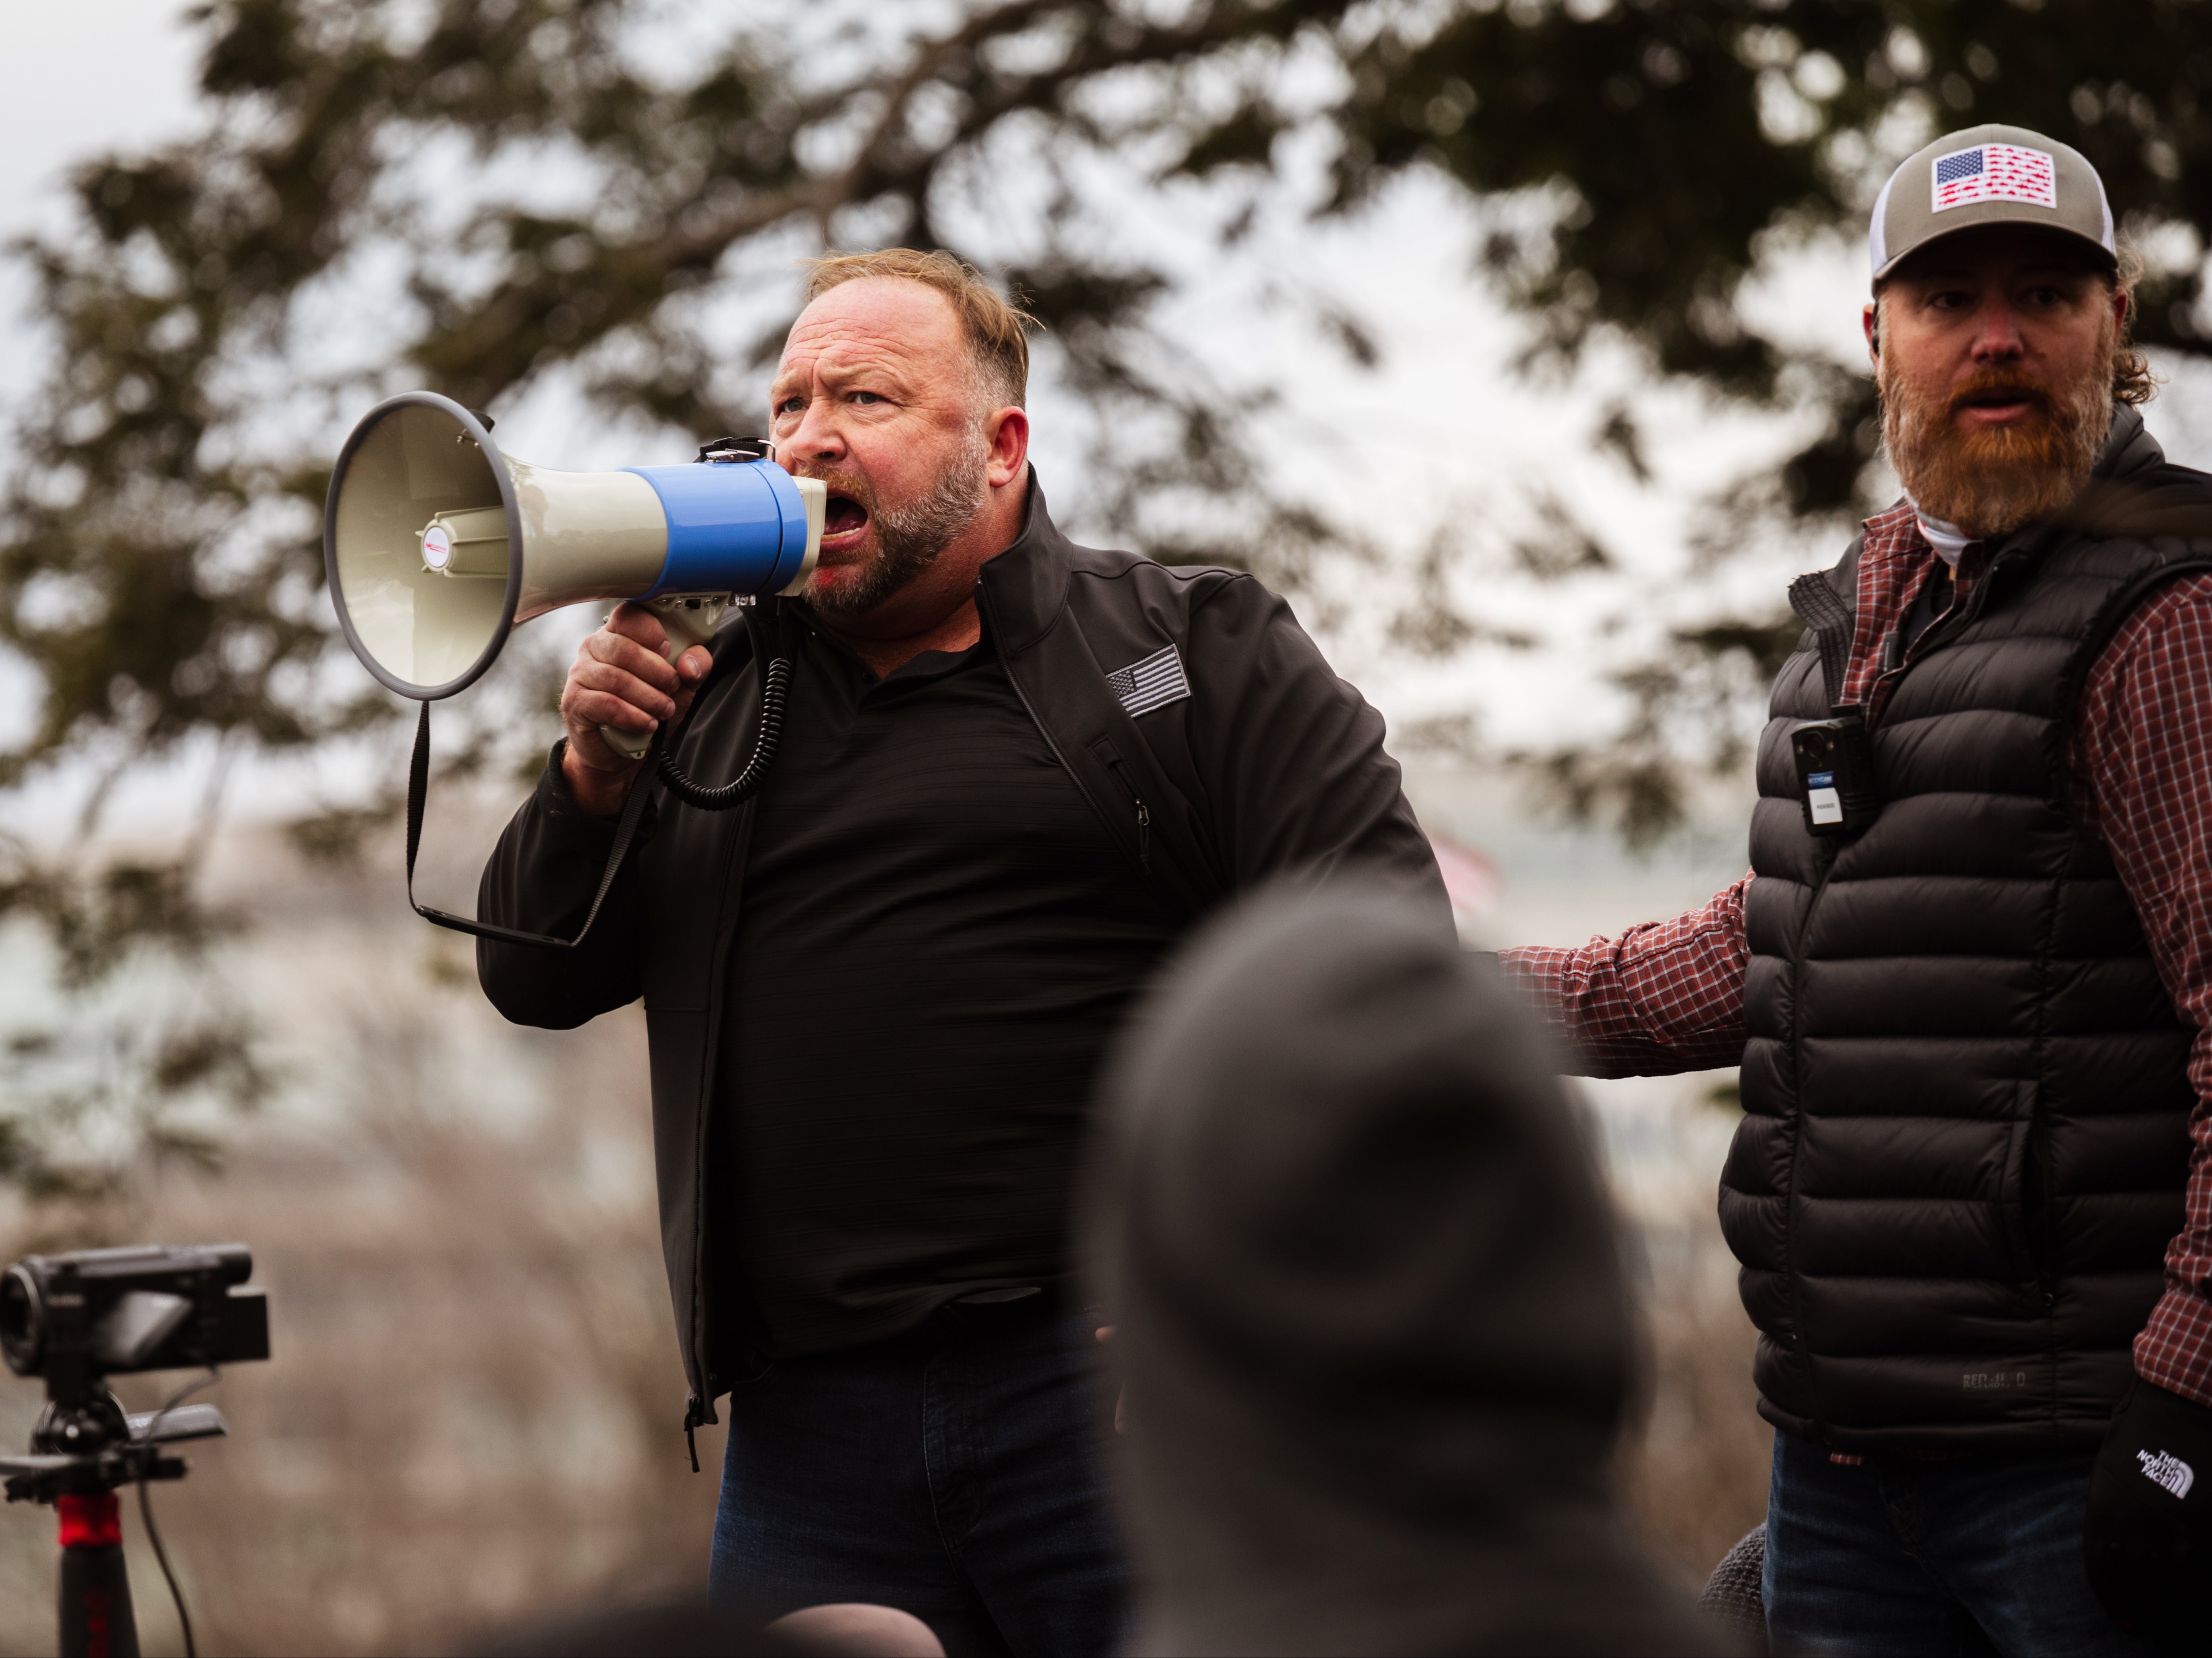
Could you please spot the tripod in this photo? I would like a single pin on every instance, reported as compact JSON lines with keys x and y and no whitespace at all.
{"x":82,"y":1451}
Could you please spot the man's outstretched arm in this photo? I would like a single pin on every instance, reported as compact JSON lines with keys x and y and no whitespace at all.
{"x":1663,"y":997}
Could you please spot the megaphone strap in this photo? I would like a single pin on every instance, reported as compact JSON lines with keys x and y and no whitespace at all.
{"x":775,"y":684}
{"x":418,"y":789}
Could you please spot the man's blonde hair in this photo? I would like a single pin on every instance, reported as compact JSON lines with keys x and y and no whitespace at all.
{"x":996,"y":332}
{"x":2132,"y":381}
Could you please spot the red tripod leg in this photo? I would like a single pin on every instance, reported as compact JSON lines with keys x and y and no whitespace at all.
{"x":96,"y":1620}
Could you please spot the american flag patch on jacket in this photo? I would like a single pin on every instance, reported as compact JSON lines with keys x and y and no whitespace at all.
{"x":1145,"y":685}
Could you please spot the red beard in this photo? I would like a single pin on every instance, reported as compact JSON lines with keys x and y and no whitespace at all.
{"x":1989,"y":480}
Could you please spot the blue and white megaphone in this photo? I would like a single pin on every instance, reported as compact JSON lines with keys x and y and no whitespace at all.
{"x":437,"y":546}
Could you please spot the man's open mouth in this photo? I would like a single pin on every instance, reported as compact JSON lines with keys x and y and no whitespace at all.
{"x":2001,"y":396}
{"x":843,"y":515}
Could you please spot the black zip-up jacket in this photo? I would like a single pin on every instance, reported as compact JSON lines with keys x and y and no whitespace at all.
{"x":1272,"y":765}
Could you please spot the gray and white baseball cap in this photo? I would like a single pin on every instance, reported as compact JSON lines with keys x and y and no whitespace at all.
{"x":1988,"y":175}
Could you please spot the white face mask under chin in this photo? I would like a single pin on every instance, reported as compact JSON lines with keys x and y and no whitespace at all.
{"x":1948,"y":540}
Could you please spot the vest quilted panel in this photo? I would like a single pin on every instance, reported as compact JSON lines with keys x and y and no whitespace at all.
{"x":1965,"y":1091}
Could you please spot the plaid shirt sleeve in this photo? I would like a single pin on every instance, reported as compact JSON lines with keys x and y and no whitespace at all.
{"x":1664,"y":997}
{"x":2141,"y":777}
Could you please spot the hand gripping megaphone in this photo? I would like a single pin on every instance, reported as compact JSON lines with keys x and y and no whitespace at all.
{"x":437,"y":547}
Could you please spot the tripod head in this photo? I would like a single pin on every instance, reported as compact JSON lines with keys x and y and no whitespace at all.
{"x":118,"y":1450}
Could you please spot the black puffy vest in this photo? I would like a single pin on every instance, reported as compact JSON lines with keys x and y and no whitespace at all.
{"x":1965,"y":1092}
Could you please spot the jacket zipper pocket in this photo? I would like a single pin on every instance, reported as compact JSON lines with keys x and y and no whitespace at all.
{"x":2037,"y":1202}
{"x":1792,"y":1279}
{"x":1104,"y":750}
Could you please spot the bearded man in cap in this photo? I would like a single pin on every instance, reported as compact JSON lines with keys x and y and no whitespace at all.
{"x":1969,"y":979}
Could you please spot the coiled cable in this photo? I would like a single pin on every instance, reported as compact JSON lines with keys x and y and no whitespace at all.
{"x":774,"y":688}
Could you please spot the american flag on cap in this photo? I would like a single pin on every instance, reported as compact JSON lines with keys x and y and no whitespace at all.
{"x":1994,"y":172}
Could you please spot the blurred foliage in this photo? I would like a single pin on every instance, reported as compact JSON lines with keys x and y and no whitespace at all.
{"x":1628,"y":166}
{"x":86,"y":1101}
{"x":1685,"y":707}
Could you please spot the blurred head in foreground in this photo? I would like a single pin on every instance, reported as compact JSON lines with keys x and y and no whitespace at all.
{"x":1370,"y":1314}
{"x":687,"y":1627}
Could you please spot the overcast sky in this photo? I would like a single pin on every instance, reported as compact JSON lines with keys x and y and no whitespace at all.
{"x":82,"y":79}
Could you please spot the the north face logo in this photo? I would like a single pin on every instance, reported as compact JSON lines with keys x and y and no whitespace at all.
{"x":2168,"y":1470}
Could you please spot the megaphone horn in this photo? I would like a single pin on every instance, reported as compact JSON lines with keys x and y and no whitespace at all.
{"x":437,"y":546}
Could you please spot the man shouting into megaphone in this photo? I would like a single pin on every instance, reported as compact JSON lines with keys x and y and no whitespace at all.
{"x":1014,"y":772}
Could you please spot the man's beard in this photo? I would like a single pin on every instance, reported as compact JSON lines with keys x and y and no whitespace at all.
{"x":910,"y":538}
{"x":1990,"y":481}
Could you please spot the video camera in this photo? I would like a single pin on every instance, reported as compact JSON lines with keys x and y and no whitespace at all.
{"x":113,"y":1312}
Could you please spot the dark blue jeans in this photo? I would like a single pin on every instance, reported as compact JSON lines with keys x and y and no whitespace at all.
{"x":1901,"y":1555}
{"x":954,"y":1473}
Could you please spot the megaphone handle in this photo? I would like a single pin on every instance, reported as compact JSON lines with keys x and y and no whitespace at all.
{"x":688,"y":619}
